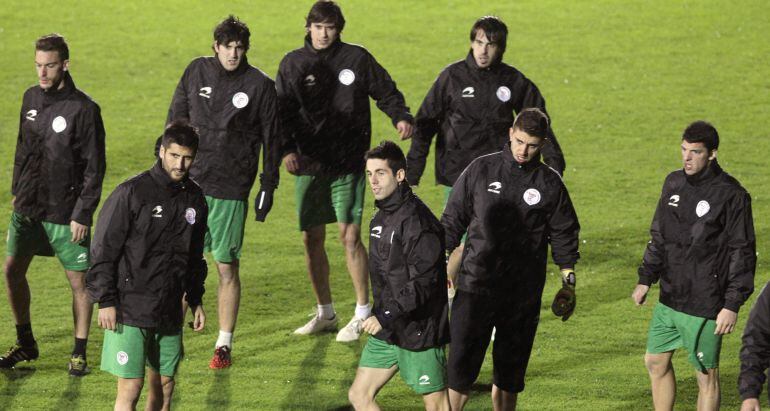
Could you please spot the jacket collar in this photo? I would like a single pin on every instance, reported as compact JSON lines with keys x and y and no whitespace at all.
{"x":162,"y":179}
{"x":52,"y":95}
{"x":394,"y":201}
{"x":329,"y":51}
{"x":705,"y":175}
{"x":514,"y":165}
{"x":471,"y":63}
{"x":221,"y":72}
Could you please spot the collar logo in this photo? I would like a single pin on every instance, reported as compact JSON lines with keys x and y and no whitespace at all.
{"x":674,"y":200}
{"x":376,"y":231}
{"x":189,"y":215}
{"x":495,"y":187}
{"x":347,"y":77}
{"x":31,"y":115}
{"x":531,"y":196}
{"x":503,"y":94}
{"x":59,"y":124}
{"x":468,"y":92}
{"x":240,"y":99}
{"x":205,"y":92}
{"x":702,"y":208}
{"x":157,"y":211}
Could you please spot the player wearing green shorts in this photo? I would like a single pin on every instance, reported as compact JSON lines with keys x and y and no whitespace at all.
{"x":702,"y":252}
{"x":323,"y":91}
{"x":409,"y":326}
{"x":57,"y":182}
{"x":148,"y":255}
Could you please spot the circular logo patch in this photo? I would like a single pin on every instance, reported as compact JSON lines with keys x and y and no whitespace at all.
{"x":189,"y":215}
{"x":347,"y":77}
{"x":240,"y":99}
{"x":122,"y":357}
{"x":503,"y":93}
{"x":702,"y":208}
{"x":532,"y":196}
{"x":59,"y":124}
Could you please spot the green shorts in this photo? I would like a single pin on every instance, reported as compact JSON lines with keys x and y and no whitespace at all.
{"x":224,"y":232}
{"x":127,"y":349}
{"x":323,"y":200}
{"x":424,"y":371}
{"x":671,"y":329}
{"x":28,"y":236}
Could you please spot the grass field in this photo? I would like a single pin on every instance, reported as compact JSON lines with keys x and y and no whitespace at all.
{"x":622,"y":80}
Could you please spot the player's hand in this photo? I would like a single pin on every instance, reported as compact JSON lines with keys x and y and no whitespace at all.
{"x":726,"y":320}
{"x":292,"y":163}
{"x":199,"y":320}
{"x":750,"y":404}
{"x":564,"y":302}
{"x":640,"y":294}
{"x":405,"y":129}
{"x":108,"y":318}
{"x":79,"y":231}
{"x":13,"y":201}
{"x":371,"y":325}
{"x":263,"y":203}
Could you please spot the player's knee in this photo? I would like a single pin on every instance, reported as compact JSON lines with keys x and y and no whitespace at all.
{"x":350,"y":239}
{"x":13,"y":273}
{"x":313,"y":241}
{"x":656,"y":365}
{"x":359,"y":398}
{"x":708,"y":382}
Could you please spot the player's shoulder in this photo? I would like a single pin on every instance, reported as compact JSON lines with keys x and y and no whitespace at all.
{"x":730,"y":184}
{"x":549,"y":174}
{"x":353,"y":49}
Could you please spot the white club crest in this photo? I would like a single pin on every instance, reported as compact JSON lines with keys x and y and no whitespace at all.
{"x":122,"y":357}
{"x":59,"y":124}
{"x":347,"y":77}
{"x":240,"y":99}
{"x":532,"y":196}
{"x":31,"y":115}
{"x":503,"y":93}
{"x":702,"y":208}
{"x":189,"y":215}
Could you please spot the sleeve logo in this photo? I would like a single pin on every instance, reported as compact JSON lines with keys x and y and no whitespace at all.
{"x":347,"y":77}
{"x":240,"y":99}
{"x":59,"y":124}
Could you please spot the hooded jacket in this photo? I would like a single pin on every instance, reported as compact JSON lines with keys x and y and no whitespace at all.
{"x":511,"y":212}
{"x":471,"y":109}
{"x":755,"y":352}
{"x":702,"y":249}
{"x":324,"y":103}
{"x":408,"y":272}
{"x":59,"y":163}
{"x":235,"y":113}
{"x":148,"y":250}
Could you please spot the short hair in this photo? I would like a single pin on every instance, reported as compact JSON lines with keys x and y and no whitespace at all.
{"x":390,"y":152}
{"x":324,"y":11}
{"x":181,"y":133}
{"x":532,"y":121}
{"x":702,"y":132}
{"x":53,"y":42}
{"x":495,"y":30}
{"x":231,"y":29}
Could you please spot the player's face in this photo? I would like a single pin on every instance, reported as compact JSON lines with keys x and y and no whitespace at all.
{"x":696,"y":157}
{"x":176,"y":160}
{"x":50,"y":69}
{"x":484,"y":52}
{"x":230,"y":54}
{"x":322,"y":35}
{"x":524,"y":147}
{"x":381,"y":178}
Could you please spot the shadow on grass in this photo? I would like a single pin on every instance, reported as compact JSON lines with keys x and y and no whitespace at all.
{"x":303,"y":385}
{"x":218,"y":397}
{"x":70,"y":397}
{"x":15,"y":378}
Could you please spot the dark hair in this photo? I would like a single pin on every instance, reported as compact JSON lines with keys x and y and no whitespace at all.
{"x":495,"y":30}
{"x":390,"y":152}
{"x":702,"y":132}
{"x":180,"y":132}
{"x":53,"y":42}
{"x":232,"y":29}
{"x":532,"y":121}
{"x":326,"y":12}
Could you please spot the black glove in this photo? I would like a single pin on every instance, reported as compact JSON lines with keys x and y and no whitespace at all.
{"x":263,"y":203}
{"x":564,"y":302}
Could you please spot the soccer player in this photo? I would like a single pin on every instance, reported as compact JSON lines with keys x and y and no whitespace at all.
{"x":323,"y":91}
{"x":233,"y":105}
{"x":470,"y":108}
{"x":406,"y":264}
{"x":57,"y":182}
{"x":702,"y":250}
{"x":148,"y":253}
{"x":755,"y":353}
{"x":512,"y":206}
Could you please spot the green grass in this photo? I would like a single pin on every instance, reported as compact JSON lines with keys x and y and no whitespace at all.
{"x":622,"y":80}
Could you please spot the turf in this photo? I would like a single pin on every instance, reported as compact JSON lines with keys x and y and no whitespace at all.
{"x":622,"y":80}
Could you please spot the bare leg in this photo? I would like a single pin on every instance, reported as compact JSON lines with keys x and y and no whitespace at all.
{"x":458,"y":399}
{"x":503,"y":400}
{"x":82,"y":308}
{"x":160,"y":390}
{"x":128,"y":393}
{"x":708,"y":390}
{"x":357,"y":260}
{"x":662,"y":379}
{"x":317,"y":263}
{"x":228,"y":294}
{"x":436,"y":401}
{"x":17,"y":287}
{"x":367,"y":384}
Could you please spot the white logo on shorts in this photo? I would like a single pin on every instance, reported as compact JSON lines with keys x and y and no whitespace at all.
{"x":702,"y":208}
{"x":700,"y":355}
{"x":347,"y":77}
{"x":59,"y":124}
{"x":424,"y":380}
{"x":122,"y":357}
{"x":503,"y":93}
{"x":532,"y":196}
{"x":240,"y":99}
{"x":189,"y":215}
{"x":82,"y":258}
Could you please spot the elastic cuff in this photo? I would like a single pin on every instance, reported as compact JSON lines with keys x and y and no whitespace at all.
{"x":733,"y":306}
{"x":107,"y":304}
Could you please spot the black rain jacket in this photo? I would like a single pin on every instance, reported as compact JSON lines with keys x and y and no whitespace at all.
{"x":471,"y":110}
{"x":59,"y":164}
{"x":755,"y":352}
{"x":407,"y":267}
{"x":511,"y":212}
{"x":702,"y":250}
{"x":148,"y":250}
{"x":236,"y":115}
{"x":324,"y":104}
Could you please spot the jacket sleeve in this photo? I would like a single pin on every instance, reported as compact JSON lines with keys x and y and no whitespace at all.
{"x":90,"y":143}
{"x":653,"y":262}
{"x":755,"y":352}
{"x":741,"y":246}
{"x":563,"y":230}
{"x":19,"y":157}
{"x":180,"y":108}
{"x":458,"y":211}
{"x":288,"y":109}
{"x":383,"y":90}
{"x":112,"y":230}
{"x":529,"y":96}
{"x":428,"y":123}
{"x":196,"y":266}
{"x":271,"y":138}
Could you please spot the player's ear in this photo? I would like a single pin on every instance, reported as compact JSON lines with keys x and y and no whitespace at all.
{"x":713,"y":155}
{"x":400,"y":175}
{"x":65,"y":65}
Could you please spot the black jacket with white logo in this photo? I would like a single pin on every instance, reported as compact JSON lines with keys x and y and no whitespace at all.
{"x":702,"y":248}
{"x":59,"y":164}
{"x":511,"y":212}
{"x":324,"y":104}
{"x":235,"y":113}
{"x":407,"y":267}
{"x":755,"y":352}
{"x":471,"y":110}
{"x":148,"y":250}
